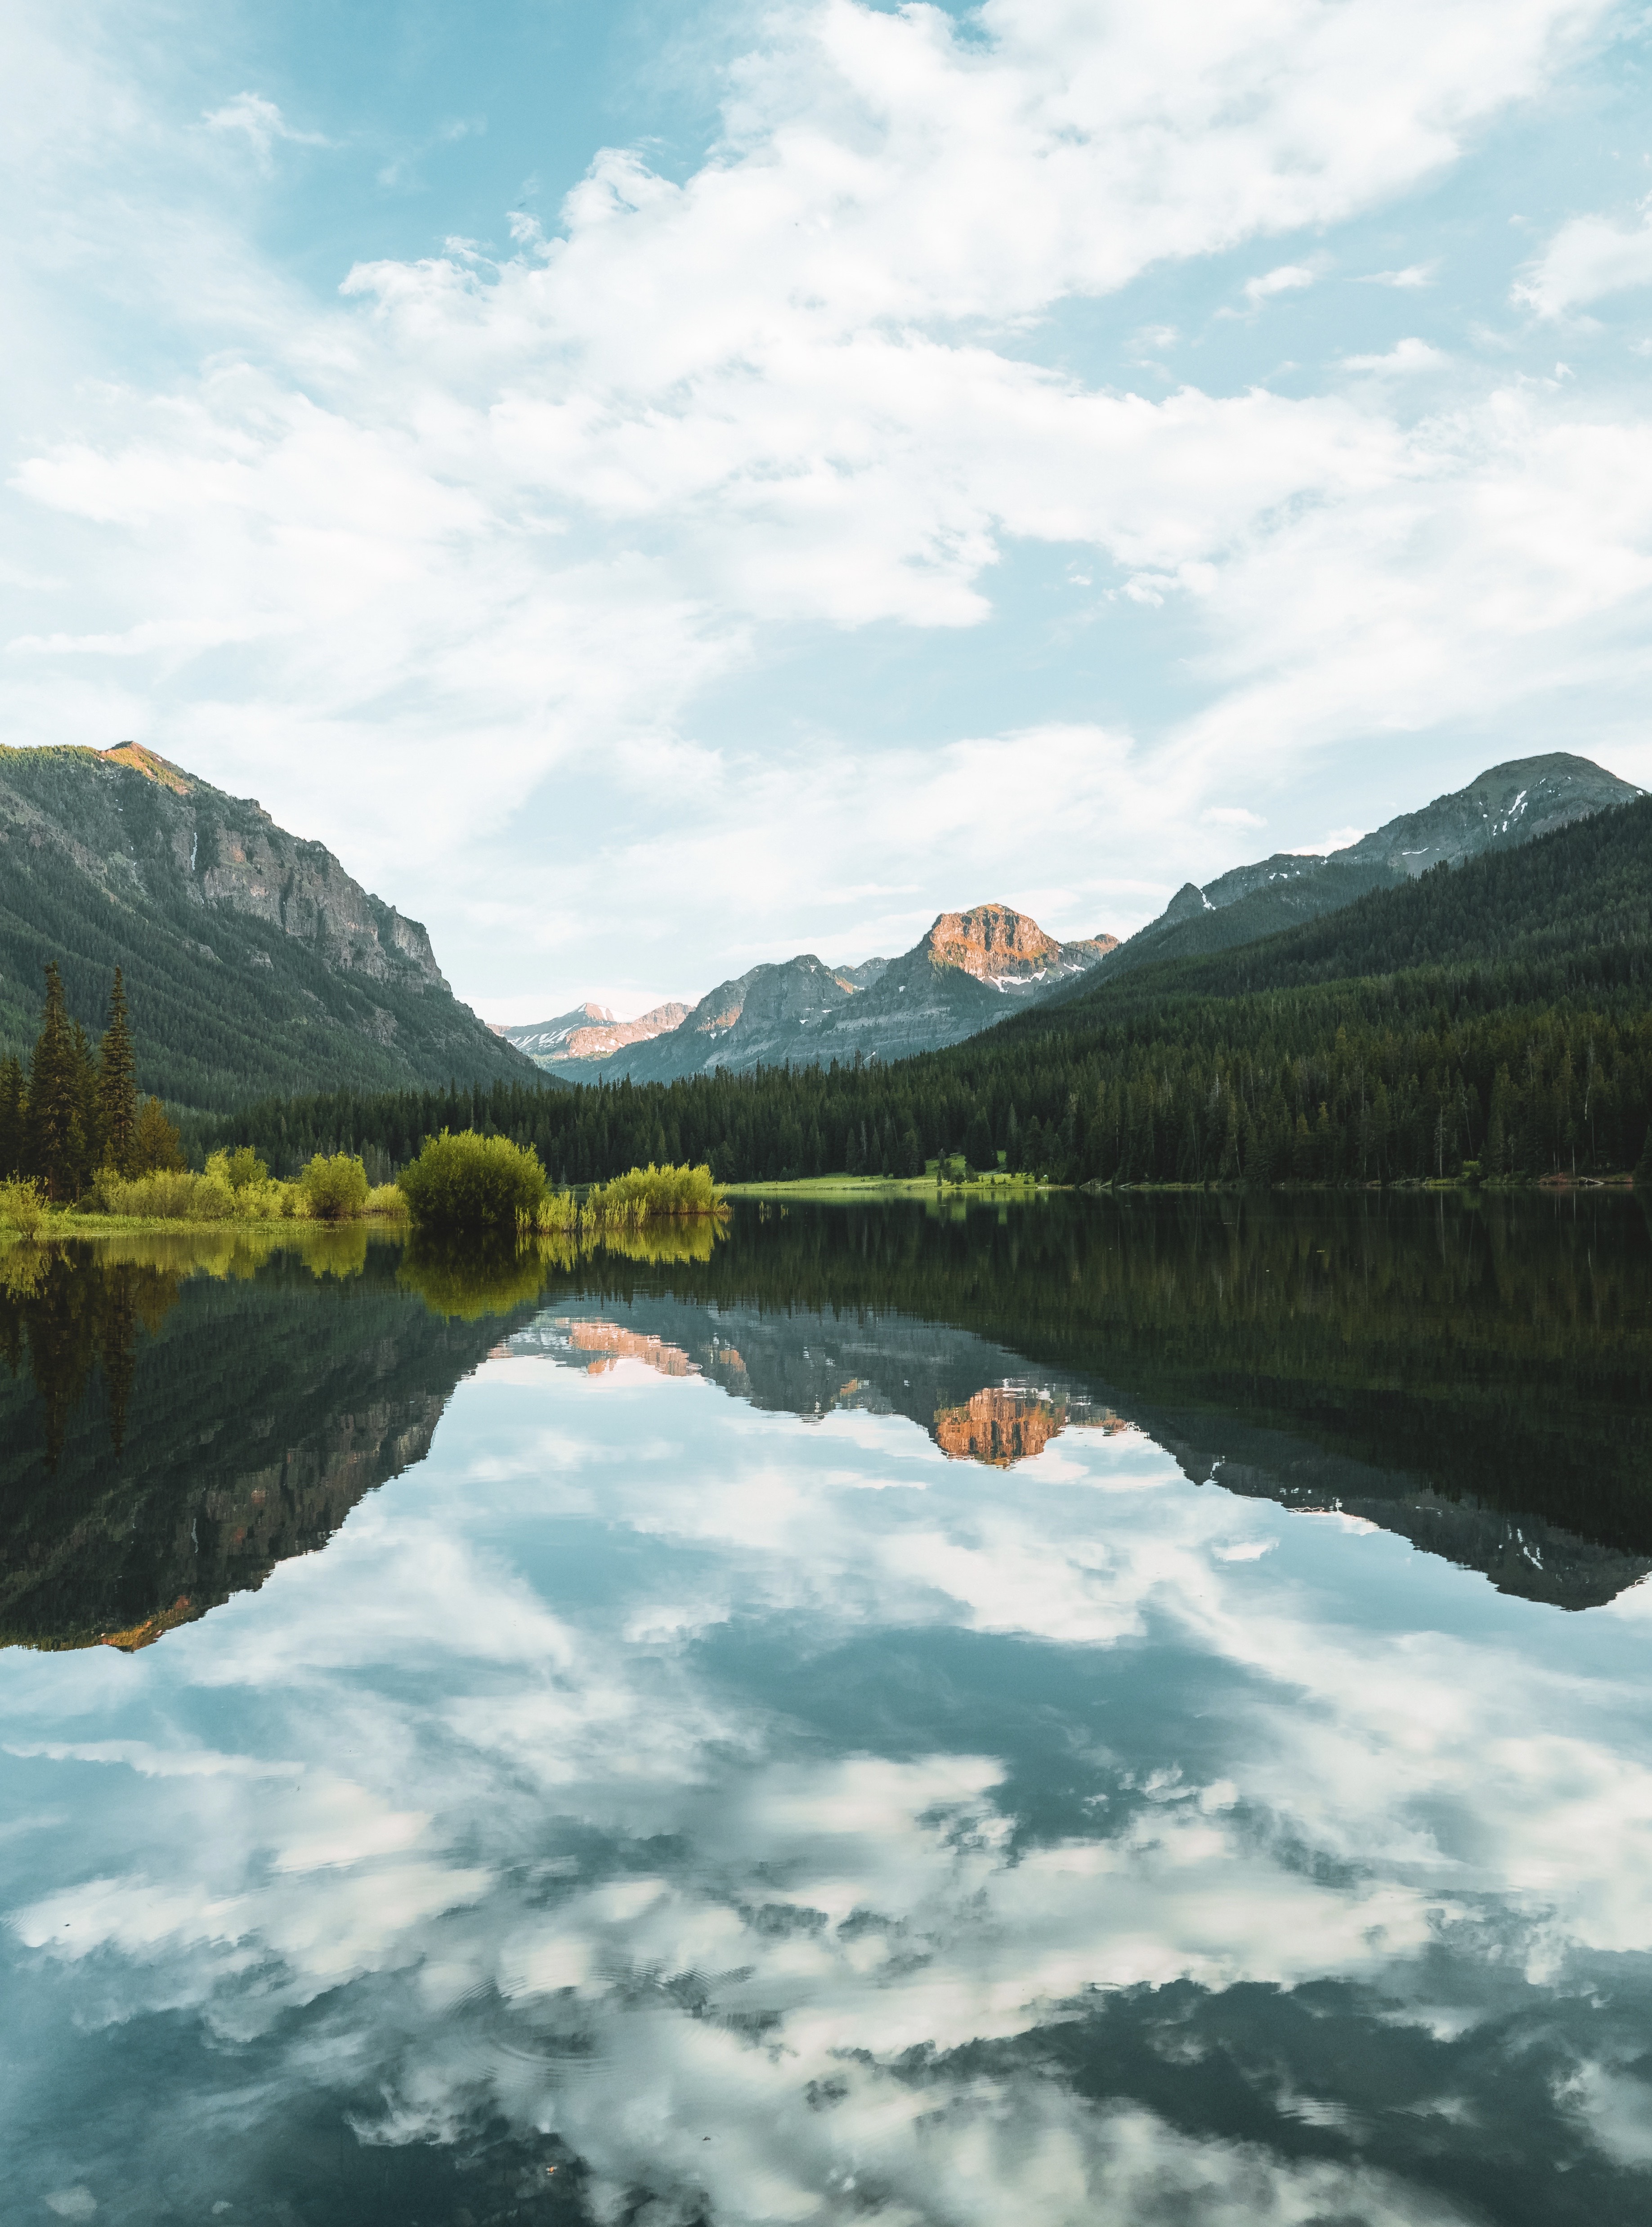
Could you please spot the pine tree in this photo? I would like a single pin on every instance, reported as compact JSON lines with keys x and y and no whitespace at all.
{"x":157,"y":1144}
{"x":12,"y":1109}
{"x":85,"y":1135}
{"x":118,"y":1086}
{"x":54,"y":1129}
{"x":1643,"y":1166}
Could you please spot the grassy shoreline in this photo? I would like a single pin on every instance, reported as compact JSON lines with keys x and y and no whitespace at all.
{"x":886,"y":1187}
{"x":66,"y":1223}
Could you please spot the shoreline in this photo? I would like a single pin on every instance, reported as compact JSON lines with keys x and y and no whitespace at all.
{"x":824,"y":1189}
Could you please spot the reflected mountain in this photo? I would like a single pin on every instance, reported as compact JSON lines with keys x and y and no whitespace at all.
{"x":180,"y":1414}
{"x":1473,"y":1374}
{"x":172,"y":1426}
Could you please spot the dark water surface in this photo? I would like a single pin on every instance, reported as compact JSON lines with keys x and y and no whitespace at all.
{"x":1123,"y":1713}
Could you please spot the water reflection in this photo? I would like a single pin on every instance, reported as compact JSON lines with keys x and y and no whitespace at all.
{"x":179,"y":1415}
{"x":699,"y":1793}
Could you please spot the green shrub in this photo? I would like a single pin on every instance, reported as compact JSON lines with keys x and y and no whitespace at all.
{"x":648,"y":1193}
{"x":470,"y":1182}
{"x":23,"y":1206}
{"x":169,"y":1194}
{"x":334,"y":1190}
{"x":241,"y":1168}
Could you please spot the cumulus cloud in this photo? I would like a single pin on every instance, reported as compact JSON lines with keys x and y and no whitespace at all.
{"x":1586,"y":259}
{"x":508,"y":524}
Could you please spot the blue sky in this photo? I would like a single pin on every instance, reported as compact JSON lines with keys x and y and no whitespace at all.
{"x":661,"y":487}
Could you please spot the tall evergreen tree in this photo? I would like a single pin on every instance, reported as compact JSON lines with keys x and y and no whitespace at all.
{"x":118,"y":1086}
{"x":86,"y":1138}
{"x":54,"y":1128}
{"x":11,"y":1118}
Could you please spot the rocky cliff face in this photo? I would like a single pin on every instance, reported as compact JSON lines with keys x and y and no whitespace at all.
{"x":253,"y":959}
{"x":223,"y":855}
{"x":995,"y":944}
{"x":1506,"y":806}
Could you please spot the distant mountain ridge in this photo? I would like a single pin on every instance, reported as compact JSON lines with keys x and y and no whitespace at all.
{"x":588,"y":1032}
{"x":254,"y":961}
{"x":951,"y":984}
{"x":972,"y":968}
{"x":1501,"y":808}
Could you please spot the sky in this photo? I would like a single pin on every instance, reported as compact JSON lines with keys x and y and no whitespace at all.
{"x":660,"y":488}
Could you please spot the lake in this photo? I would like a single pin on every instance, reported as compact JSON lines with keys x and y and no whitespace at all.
{"x":1128,"y":1711}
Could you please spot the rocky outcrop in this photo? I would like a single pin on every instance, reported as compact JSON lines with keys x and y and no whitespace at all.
{"x":996,"y":944}
{"x":228,"y":855}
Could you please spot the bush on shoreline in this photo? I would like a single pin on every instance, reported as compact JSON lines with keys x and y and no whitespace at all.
{"x":233,"y":1187}
{"x":470,"y":1182}
{"x":645,"y":1194}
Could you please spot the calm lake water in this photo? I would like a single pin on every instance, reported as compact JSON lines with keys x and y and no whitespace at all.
{"x":1117,"y":1712}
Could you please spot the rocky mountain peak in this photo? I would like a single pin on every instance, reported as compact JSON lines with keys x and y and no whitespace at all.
{"x":1506,"y":805}
{"x":988,"y":942}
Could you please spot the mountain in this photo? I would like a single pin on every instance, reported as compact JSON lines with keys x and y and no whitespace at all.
{"x":958,"y":980}
{"x":254,"y":961}
{"x":1506,"y":806}
{"x":954,"y":982}
{"x":1493,"y":1013}
{"x":567,"y":1045}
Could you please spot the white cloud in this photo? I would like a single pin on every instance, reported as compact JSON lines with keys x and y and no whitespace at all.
{"x":1407,"y":355}
{"x":261,"y":123}
{"x":502,"y":525}
{"x":1586,"y":259}
{"x":1289,"y":278}
{"x":1415,"y":274}
{"x":1232,"y":815}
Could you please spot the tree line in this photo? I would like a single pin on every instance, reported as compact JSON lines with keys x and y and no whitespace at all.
{"x":73,"y":1110}
{"x":1497,"y":1013}
{"x":1373,"y":1081}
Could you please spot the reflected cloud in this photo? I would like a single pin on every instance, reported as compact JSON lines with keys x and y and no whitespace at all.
{"x":729,"y":1808}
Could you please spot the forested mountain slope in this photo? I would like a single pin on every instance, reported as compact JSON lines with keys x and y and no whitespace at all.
{"x":1501,"y":810}
{"x":254,"y":961}
{"x":1571,"y":911}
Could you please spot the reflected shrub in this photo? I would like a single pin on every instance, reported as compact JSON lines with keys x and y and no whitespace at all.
{"x":464,"y":1282}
